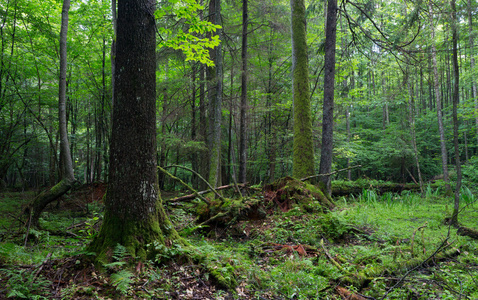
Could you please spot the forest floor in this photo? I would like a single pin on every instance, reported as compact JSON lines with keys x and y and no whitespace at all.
{"x":390,"y":246}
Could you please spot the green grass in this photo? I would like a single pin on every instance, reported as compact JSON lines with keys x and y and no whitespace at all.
{"x":368,"y":234}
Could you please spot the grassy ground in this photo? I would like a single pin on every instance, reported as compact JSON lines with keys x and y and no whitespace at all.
{"x":364,"y":246}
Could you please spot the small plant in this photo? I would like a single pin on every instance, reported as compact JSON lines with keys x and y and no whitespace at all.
{"x":25,"y":284}
{"x":121,"y":279}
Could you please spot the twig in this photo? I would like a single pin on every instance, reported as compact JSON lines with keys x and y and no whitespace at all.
{"x":197,"y":174}
{"x":185,"y":184}
{"x":28,"y":229}
{"x":329,"y":256}
{"x":328,"y":174}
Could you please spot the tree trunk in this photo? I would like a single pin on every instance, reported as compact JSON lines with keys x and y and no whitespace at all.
{"x":472,"y":64}
{"x":329,"y":82}
{"x":303,"y":151}
{"x":68,"y":177}
{"x":243,"y":116}
{"x":134,"y":214}
{"x":215,"y":80}
{"x":444,"y":156}
{"x":411,"y":119}
{"x":456,"y":91}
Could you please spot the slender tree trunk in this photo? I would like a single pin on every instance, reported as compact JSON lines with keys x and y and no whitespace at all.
{"x":303,"y":153}
{"x":68,"y":177}
{"x":134,"y":214}
{"x":472,"y":64}
{"x":215,"y":80}
{"x":329,"y":87}
{"x":411,"y":119}
{"x":444,"y":156}
{"x":456,"y":95}
{"x":243,"y":116}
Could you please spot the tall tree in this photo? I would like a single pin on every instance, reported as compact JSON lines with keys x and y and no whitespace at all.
{"x":215,"y":81}
{"x":303,"y":151}
{"x":456,"y":95}
{"x":436,"y":81}
{"x":134,"y":214}
{"x":471,"y":39}
{"x":68,"y":177}
{"x":329,"y":88}
{"x":242,"y":127}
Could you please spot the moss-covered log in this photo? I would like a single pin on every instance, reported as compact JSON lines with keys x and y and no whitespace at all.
{"x":38,"y":204}
{"x":287,"y":191}
{"x":356,"y":188}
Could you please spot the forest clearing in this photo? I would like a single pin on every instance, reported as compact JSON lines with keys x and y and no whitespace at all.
{"x":388,"y":246}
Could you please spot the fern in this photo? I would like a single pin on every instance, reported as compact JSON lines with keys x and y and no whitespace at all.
{"x":122,"y":280}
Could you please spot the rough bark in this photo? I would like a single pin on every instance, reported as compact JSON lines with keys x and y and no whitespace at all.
{"x":242,"y":127}
{"x":134,"y":214}
{"x":68,"y":177}
{"x":329,"y":82}
{"x":215,"y":81}
{"x":444,"y":156}
{"x":303,"y":152}
{"x":456,"y":94}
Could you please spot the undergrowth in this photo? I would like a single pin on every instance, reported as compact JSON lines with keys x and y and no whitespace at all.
{"x":294,"y":255}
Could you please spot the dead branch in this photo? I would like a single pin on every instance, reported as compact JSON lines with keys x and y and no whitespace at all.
{"x":332,"y":173}
{"x":192,"y":196}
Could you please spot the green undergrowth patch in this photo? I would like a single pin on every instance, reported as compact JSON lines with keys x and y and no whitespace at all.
{"x":367,"y":243}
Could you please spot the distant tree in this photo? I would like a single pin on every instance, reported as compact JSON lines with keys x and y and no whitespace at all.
{"x":329,"y":89}
{"x":134,"y":214}
{"x":441,"y":129}
{"x":303,"y":151}
{"x":68,"y":177}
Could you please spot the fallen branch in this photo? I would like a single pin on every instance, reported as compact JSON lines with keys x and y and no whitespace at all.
{"x":185,"y":184}
{"x":332,"y":173}
{"x":192,"y":196}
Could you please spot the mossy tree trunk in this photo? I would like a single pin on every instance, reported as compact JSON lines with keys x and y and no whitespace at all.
{"x":303,"y":151}
{"x":68,"y":177}
{"x":134,"y":215}
{"x":329,"y":88}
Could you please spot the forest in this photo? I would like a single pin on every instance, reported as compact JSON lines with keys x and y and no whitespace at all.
{"x":238,"y":149}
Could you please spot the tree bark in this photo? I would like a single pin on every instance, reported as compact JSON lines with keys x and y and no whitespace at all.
{"x":215,"y":80}
{"x":303,"y":151}
{"x":456,"y":94}
{"x":68,"y":177}
{"x":329,"y":82}
{"x":134,"y":214}
{"x":444,"y":156}
{"x":243,"y":116}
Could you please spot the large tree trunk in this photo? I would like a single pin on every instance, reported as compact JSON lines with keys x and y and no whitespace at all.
{"x":134,"y":214}
{"x":329,"y":82}
{"x":444,"y":156}
{"x":303,"y":153}
{"x":68,"y":177}
{"x":215,"y":78}
{"x":242,"y":127}
{"x":456,"y":91}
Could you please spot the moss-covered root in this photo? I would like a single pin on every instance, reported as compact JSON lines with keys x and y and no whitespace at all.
{"x":135,"y":235}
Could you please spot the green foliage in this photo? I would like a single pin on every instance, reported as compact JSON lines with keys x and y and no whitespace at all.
{"x":26,"y":284}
